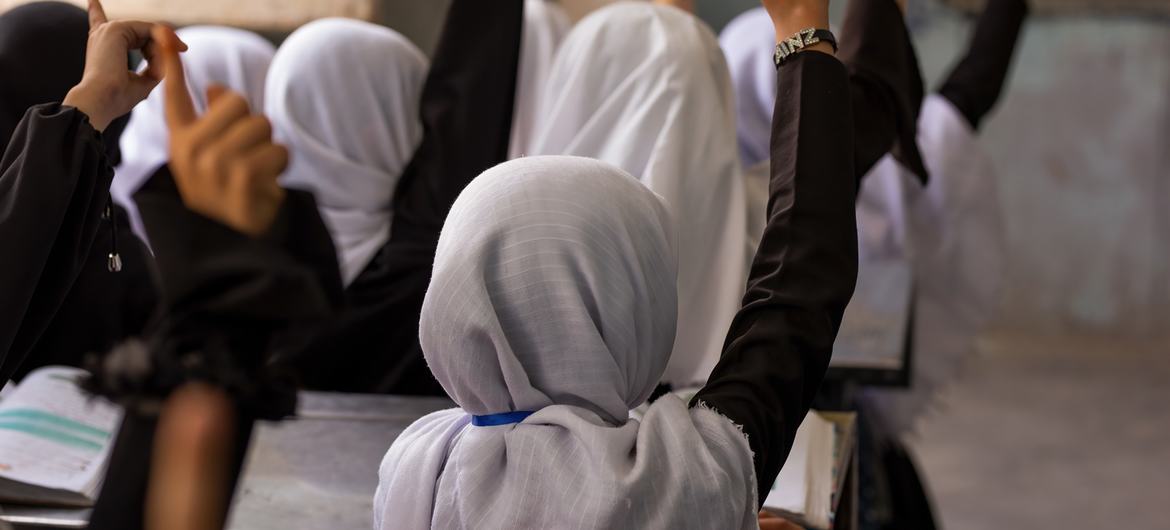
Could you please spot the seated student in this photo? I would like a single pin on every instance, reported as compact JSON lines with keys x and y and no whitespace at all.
{"x":552,"y":312}
{"x":466,"y":114}
{"x":230,"y":57}
{"x":950,"y":229}
{"x":343,"y":97}
{"x":644,"y":87}
{"x":71,"y":284}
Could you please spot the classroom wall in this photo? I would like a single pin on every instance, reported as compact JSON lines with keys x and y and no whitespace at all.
{"x":1081,"y":141}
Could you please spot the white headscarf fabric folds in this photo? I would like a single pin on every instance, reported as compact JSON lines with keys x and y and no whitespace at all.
{"x":748,"y":42}
{"x":545,"y":26}
{"x":554,"y":291}
{"x":646,"y":88}
{"x":343,"y":95}
{"x":229,"y":57}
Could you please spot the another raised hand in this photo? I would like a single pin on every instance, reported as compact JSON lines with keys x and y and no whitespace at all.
{"x":224,"y":163}
{"x":792,"y":16}
{"x":108,"y":89}
{"x":685,"y":5}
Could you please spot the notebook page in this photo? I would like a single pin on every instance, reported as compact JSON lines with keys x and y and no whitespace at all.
{"x":54,"y":435}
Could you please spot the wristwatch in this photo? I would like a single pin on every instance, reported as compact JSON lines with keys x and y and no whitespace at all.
{"x":796,"y":43}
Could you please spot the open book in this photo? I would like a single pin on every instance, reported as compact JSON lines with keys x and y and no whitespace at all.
{"x":812,"y":481}
{"x":55,"y":440}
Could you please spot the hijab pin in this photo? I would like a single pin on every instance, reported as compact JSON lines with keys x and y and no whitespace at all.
{"x":114,"y":262}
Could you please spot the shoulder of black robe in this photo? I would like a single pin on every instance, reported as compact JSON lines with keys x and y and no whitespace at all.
{"x":886,"y":85}
{"x":225,"y":296}
{"x":103,"y":307}
{"x":976,"y":82}
{"x":466,"y":112}
{"x":54,"y":185}
{"x":803,"y":275}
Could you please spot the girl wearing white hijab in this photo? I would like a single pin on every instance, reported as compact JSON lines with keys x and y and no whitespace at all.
{"x":233,"y":58}
{"x":950,"y":230}
{"x":386,"y":153}
{"x":645,"y":87}
{"x":343,"y":95}
{"x":552,"y":311}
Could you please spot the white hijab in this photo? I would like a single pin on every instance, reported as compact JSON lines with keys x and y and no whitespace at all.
{"x":343,"y":95}
{"x":554,"y":291}
{"x":545,"y":25}
{"x":230,"y":57}
{"x":748,"y":41}
{"x":646,"y":88}
{"x":949,"y":232}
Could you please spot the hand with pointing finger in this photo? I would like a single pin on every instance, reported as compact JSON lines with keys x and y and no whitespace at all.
{"x":224,"y":163}
{"x":108,"y":89}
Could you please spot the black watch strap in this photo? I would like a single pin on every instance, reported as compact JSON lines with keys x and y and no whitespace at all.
{"x":803,"y":38}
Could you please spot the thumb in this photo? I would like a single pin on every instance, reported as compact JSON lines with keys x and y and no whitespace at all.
{"x":180,"y":110}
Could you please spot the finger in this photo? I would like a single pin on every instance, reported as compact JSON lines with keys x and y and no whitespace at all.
{"x":221,"y":115}
{"x":152,"y":55}
{"x":245,"y":135}
{"x":137,"y":34}
{"x":214,"y":92}
{"x":180,"y":110}
{"x":97,"y":14}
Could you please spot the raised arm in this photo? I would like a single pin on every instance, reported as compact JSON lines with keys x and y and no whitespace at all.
{"x":54,"y":184}
{"x":466,"y":113}
{"x":804,"y":272}
{"x":886,"y":85}
{"x":976,"y":82}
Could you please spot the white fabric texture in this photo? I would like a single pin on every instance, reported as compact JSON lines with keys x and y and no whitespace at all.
{"x":646,"y":88}
{"x":545,"y":26}
{"x":748,"y":41}
{"x":343,"y":96}
{"x":554,"y":291}
{"x":229,"y":57}
{"x":951,"y":232}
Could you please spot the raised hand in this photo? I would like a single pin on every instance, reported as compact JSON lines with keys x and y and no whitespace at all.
{"x":108,"y":89}
{"x":224,"y":163}
{"x":791,"y":16}
{"x":685,"y":5}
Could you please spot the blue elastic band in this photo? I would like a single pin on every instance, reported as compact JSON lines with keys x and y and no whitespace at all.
{"x":503,"y":418}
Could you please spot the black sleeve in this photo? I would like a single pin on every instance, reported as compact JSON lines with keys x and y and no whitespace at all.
{"x":975,"y":84}
{"x":804,"y":272}
{"x":224,"y":297}
{"x":54,"y":185}
{"x":886,"y":85}
{"x":103,"y":307}
{"x":466,"y":112}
